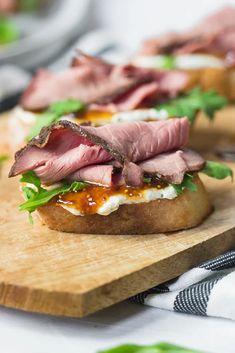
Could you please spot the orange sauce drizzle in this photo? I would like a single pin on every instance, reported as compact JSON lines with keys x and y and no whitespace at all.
{"x":95,"y":117}
{"x":88,"y":200}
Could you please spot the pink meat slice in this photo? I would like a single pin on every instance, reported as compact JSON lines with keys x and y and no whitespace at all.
{"x":169,"y":166}
{"x":102,"y":85}
{"x":141,"y":140}
{"x":146,"y":94}
{"x":8,"y":6}
{"x":98,"y":174}
{"x":61,"y":166}
{"x":193,"y":160}
{"x":65,"y":147}
{"x":213,"y":34}
{"x":131,"y":99}
{"x":172,"y":166}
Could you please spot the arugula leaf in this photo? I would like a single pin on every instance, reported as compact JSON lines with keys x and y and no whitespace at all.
{"x":217,"y":170}
{"x":65,"y":107}
{"x":31,"y":178}
{"x":45,"y":119}
{"x":147,"y":180}
{"x":186,"y":184}
{"x":3,"y":158}
{"x":28,"y":192}
{"x":168,"y":62}
{"x":155,"y":348}
{"x":125,"y":348}
{"x":189,"y":104}
{"x":165,"y":62}
{"x":54,"y":113}
{"x":8,"y":31}
{"x":41,"y":196}
{"x":213,"y":169}
{"x":29,"y":5}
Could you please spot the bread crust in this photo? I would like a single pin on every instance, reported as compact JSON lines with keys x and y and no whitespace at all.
{"x":158,"y":216}
{"x":221,"y":80}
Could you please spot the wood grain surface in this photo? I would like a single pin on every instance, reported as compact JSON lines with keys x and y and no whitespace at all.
{"x":73,"y":275}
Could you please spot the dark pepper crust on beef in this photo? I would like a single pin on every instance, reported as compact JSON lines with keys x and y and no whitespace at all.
{"x":45,"y":133}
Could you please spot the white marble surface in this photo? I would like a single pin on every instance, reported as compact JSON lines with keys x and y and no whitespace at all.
{"x":22,"y":332}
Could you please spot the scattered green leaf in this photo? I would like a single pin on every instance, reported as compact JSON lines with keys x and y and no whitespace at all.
{"x":155,"y":348}
{"x":213,"y":169}
{"x":45,"y":119}
{"x":28,"y":192}
{"x":186,"y":184}
{"x":37,"y":196}
{"x":217,"y":170}
{"x":3,"y":158}
{"x":189,"y":104}
{"x":147,"y":180}
{"x":29,"y":5}
{"x":168,"y":62}
{"x":65,"y":107}
{"x":165,"y":62}
{"x":31,"y":178}
{"x":54,"y":113}
{"x":8,"y":31}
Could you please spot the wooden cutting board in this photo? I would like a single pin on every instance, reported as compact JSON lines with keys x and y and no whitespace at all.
{"x":74,"y":275}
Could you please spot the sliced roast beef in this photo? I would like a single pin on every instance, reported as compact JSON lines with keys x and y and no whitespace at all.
{"x":214,"y":34}
{"x":140,"y":140}
{"x":106,"y":86}
{"x":75,"y":159}
{"x":8,"y":6}
{"x":101,"y":174}
{"x":66,"y":147}
{"x":171,"y":166}
{"x":93,"y":63}
{"x":193,"y":160}
{"x":80,"y":83}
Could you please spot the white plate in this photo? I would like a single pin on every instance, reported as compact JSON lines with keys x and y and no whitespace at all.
{"x":45,"y":34}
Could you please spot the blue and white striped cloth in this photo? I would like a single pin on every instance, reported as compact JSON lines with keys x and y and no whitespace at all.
{"x":208,"y":290}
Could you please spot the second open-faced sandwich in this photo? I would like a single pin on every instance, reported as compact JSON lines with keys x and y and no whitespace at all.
{"x":127,"y":178}
{"x":206,"y":52}
{"x":95,"y":91}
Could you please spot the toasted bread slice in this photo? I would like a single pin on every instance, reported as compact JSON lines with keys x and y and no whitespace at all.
{"x":222,"y":80}
{"x":158,"y":216}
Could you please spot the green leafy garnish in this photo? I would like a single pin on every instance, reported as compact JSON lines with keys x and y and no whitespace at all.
{"x":31,"y":178}
{"x":29,"y":5}
{"x":186,"y":184}
{"x":190,"y":103}
{"x":168,"y":62}
{"x":8,"y":31}
{"x":217,"y":170}
{"x":45,"y":119}
{"x":37,"y":196}
{"x":54,"y":113}
{"x":155,"y":348}
{"x":213,"y":169}
{"x":147,"y":180}
{"x":65,"y":107}
{"x":3,"y":158}
{"x":165,"y":62}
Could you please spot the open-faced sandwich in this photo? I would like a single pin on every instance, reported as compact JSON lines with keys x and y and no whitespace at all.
{"x":125,"y":178}
{"x":206,"y":53}
{"x":94,"y":91}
